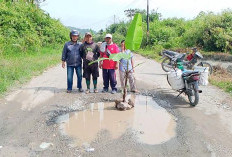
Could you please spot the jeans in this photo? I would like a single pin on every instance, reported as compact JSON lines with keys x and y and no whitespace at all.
{"x":70,"y":71}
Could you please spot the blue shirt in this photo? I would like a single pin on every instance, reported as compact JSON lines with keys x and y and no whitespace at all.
{"x":71,"y":54}
{"x":123,"y":63}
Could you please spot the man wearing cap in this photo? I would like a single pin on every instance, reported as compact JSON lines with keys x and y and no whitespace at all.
{"x":90,"y":52}
{"x":71,"y":56}
{"x":108,"y":66}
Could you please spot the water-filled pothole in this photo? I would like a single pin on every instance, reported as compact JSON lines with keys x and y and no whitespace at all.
{"x":153,"y":124}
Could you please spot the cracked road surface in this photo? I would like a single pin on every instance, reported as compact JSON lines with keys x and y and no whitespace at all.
{"x":29,"y":119}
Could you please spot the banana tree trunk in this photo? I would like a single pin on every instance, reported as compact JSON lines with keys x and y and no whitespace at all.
{"x":125,"y":86}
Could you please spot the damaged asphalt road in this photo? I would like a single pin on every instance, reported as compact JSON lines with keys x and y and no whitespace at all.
{"x":30,"y":119}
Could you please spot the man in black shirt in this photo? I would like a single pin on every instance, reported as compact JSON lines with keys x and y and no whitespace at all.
{"x":90,"y":52}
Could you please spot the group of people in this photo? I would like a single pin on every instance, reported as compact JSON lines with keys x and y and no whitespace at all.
{"x":74,"y":53}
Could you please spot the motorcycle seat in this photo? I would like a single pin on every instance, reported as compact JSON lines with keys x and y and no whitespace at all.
{"x":180,"y":57}
{"x":171,"y":53}
{"x":188,"y":73}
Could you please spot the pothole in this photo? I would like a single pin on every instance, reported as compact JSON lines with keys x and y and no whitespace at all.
{"x":152,"y":123}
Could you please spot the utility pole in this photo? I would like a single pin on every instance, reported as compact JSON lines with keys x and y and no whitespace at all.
{"x":114,"y":19}
{"x":147,"y":20}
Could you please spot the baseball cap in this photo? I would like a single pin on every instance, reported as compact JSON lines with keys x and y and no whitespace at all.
{"x":108,"y":36}
{"x":88,"y":33}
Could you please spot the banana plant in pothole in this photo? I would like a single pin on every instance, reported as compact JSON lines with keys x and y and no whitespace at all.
{"x":133,"y":41}
{"x":102,"y":118}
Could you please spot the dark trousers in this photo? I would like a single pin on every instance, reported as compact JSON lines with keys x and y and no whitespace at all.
{"x":70,"y":71}
{"x":109,"y":75}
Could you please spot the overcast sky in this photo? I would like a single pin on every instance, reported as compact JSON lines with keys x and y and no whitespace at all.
{"x":98,"y":14}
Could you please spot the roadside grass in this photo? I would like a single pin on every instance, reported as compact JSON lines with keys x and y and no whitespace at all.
{"x":17,"y":68}
{"x":222,"y":79}
{"x":150,"y":54}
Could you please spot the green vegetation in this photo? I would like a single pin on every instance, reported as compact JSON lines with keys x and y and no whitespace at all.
{"x":29,"y":38}
{"x":222,"y":79}
{"x":150,"y":54}
{"x":25,"y":27}
{"x":225,"y":85}
{"x":29,"y":42}
{"x":19,"y":68}
{"x":82,"y":31}
{"x":208,"y":31}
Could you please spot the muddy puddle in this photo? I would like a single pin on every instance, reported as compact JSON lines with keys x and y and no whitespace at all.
{"x":151,"y":123}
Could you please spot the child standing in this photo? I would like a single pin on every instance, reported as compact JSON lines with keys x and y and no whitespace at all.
{"x":127,"y":66}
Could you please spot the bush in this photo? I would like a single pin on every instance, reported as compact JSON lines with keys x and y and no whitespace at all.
{"x":24,"y":27}
{"x":209,"y":31}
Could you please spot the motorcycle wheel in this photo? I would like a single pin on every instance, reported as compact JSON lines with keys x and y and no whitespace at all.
{"x":166,"y":65}
{"x":193,"y":99}
{"x":168,"y":81}
{"x":205,"y":64}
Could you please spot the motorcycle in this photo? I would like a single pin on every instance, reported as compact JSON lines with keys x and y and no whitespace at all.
{"x":171,"y":58}
{"x":189,"y":85}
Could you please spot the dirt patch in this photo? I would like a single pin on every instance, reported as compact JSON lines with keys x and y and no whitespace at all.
{"x":219,"y":57}
{"x":221,"y":74}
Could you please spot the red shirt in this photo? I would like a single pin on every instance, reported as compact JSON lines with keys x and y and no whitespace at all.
{"x":109,"y":64}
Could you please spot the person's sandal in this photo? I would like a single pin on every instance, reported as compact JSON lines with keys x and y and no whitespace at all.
{"x":87,"y":91}
{"x":135,"y":91}
{"x":95,"y":91}
{"x":104,"y":91}
{"x":81,"y":90}
{"x":113,"y":92}
{"x":68,"y":91}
